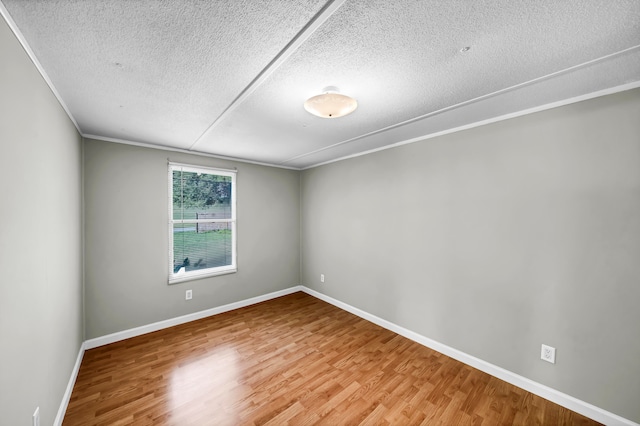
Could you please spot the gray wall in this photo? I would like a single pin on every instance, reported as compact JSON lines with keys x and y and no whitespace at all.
{"x":126,"y":238}
{"x":40,"y":241}
{"x":496,"y":240}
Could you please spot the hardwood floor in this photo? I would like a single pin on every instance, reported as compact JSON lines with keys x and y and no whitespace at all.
{"x":292,"y":360}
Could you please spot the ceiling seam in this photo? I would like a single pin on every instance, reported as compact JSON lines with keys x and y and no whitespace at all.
{"x":316,"y":22}
{"x":533,"y":110}
{"x":467,"y":102}
{"x":32,"y":56}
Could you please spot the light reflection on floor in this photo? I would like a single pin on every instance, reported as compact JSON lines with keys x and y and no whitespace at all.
{"x":207,"y":388}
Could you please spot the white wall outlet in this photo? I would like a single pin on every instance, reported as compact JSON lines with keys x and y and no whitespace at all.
{"x":188,"y":295}
{"x":321,"y":278}
{"x":36,"y":417}
{"x":548,"y":354}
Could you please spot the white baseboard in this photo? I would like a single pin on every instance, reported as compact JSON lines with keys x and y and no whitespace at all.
{"x":122,"y":335}
{"x":567,"y":401}
{"x":67,"y":393}
{"x":541,"y":390}
{"x":138,"y":331}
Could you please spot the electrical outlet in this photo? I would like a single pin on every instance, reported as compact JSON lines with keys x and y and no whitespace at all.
{"x":548,"y":354}
{"x":36,"y":417}
{"x":188,"y":295}
{"x":321,"y":278}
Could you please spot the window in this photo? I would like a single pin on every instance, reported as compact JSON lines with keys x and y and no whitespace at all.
{"x":202,"y":222}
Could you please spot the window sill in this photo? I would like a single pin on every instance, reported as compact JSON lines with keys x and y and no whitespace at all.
{"x":191,"y":277}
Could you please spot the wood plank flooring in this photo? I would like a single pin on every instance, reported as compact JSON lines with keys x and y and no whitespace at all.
{"x":293,"y":360}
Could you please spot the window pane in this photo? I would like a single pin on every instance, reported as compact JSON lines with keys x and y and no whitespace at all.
{"x":202,"y":195}
{"x":177,"y":195}
{"x":197,"y":247}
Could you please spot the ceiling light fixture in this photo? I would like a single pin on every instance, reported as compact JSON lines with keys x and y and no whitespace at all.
{"x":330,"y":104}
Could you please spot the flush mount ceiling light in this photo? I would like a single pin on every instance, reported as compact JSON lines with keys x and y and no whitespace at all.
{"x":330,"y":104}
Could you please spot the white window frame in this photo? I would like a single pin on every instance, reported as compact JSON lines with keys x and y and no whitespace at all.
{"x":208,"y":272}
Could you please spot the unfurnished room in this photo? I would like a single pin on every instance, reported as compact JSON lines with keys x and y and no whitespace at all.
{"x":319,"y":212}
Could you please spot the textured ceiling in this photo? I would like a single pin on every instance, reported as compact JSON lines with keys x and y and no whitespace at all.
{"x":229,"y":77}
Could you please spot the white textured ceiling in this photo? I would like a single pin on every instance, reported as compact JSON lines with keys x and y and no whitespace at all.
{"x":229,"y":77}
